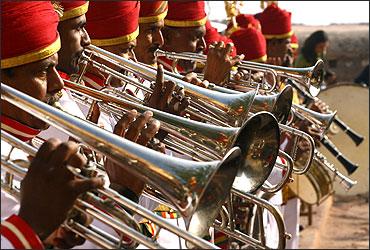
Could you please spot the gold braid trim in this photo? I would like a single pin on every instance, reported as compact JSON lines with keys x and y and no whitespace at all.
{"x":260,"y":59}
{"x":194,"y":23}
{"x":153,"y":19}
{"x":280,"y":36}
{"x":79,"y":11}
{"x":116,"y":40}
{"x":33,"y":56}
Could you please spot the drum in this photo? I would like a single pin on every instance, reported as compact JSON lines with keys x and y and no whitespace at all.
{"x":352,"y":104}
{"x":314,"y":186}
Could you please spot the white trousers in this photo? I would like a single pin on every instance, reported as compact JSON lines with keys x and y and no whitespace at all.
{"x":291,"y":219}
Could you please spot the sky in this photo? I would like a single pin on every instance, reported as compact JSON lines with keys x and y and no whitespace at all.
{"x":305,"y":12}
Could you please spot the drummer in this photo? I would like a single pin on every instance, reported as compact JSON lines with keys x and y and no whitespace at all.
{"x":29,"y":59}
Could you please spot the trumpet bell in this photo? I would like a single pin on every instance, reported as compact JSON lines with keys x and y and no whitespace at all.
{"x":278,"y":104}
{"x":283,"y":104}
{"x":261,"y":155}
{"x":317,"y":74}
{"x":219,"y":186}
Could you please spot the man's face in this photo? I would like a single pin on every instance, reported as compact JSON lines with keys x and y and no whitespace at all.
{"x":149,"y":40}
{"x":74,"y":39}
{"x":38,"y":79}
{"x":280,"y":48}
{"x":188,"y":39}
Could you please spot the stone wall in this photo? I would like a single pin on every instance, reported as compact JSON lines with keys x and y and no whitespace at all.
{"x":348,"y":51}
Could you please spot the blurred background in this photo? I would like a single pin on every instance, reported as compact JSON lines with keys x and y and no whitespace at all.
{"x":346,"y":22}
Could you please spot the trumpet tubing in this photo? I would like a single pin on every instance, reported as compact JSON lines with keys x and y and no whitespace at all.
{"x":319,"y":120}
{"x":355,"y":137}
{"x":193,"y":187}
{"x":247,"y":239}
{"x":227,"y":108}
{"x":309,"y":77}
{"x":82,"y":205}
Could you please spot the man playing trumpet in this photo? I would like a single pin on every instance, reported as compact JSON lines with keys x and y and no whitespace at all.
{"x":28,"y":64}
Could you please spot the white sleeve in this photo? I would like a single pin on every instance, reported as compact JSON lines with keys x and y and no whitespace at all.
{"x":5,"y":243}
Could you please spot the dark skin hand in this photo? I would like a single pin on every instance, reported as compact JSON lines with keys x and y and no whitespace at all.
{"x":49,"y":189}
{"x":193,"y":79}
{"x":219,"y":63}
{"x":63,"y":238}
{"x":164,"y":98}
{"x":137,"y":128}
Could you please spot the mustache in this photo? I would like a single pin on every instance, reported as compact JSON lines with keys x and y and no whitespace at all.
{"x":53,"y":99}
{"x":154,"y":48}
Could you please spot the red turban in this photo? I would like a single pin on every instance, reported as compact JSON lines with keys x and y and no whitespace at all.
{"x":276,"y":22}
{"x":28,"y":32}
{"x":72,"y":9}
{"x":152,"y":11}
{"x":113,"y":22}
{"x":294,"y":41}
{"x":212,"y":35}
{"x":251,"y":43}
{"x":245,"y":21}
{"x":185,"y":14}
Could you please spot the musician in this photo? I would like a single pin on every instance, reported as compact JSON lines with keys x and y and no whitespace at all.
{"x":184,"y":30}
{"x":74,"y":39}
{"x":30,"y":43}
{"x":276,"y":27}
{"x":120,"y":38}
{"x":150,"y":38}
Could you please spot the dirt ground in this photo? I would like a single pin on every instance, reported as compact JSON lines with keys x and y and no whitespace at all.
{"x":345,"y":227}
{"x":348,"y":224}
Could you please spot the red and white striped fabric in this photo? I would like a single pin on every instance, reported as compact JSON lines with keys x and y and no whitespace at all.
{"x":17,"y":234}
{"x":17,"y":129}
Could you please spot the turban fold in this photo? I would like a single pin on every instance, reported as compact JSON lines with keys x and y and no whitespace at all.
{"x":243,"y":21}
{"x":28,"y":32}
{"x":72,"y":9}
{"x":185,"y":14}
{"x":152,"y":11}
{"x":251,"y":43}
{"x":275,"y":22}
{"x":113,"y":22}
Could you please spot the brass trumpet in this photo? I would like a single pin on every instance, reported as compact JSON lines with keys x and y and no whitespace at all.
{"x":258,"y":138}
{"x":355,"y":137}
{"x":321,"y":121}
{"x":83,"y":204}
{"x":219,"y":108}
{"x":310,"y":77}
{"x":197,"y":189}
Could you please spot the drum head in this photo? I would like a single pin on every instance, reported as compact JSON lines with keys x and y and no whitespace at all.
{"x":352,"y":103}
{"x":305,"y":188}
